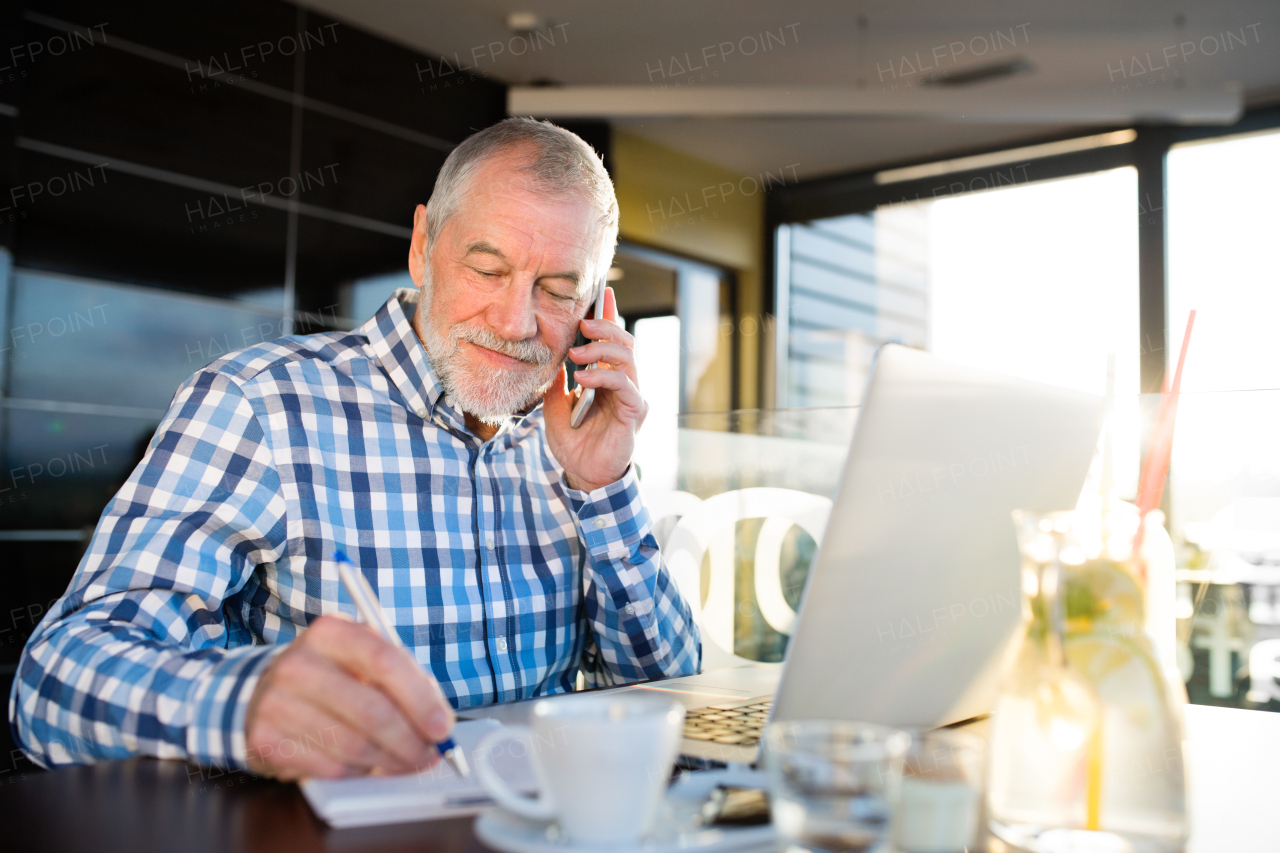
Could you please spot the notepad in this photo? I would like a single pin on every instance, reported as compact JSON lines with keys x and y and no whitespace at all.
{"x":431,"y":795}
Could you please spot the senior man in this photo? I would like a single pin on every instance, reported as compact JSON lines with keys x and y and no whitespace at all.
{"x":509,"y":551}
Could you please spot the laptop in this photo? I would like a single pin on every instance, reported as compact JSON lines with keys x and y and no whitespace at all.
{"x":914,"y":596}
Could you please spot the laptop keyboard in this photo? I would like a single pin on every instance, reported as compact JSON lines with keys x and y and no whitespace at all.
{"x":738,"y":723}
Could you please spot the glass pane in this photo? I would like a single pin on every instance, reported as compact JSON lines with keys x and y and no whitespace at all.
{"x":642,"y":287}
{"x":61,"y":469}
{"x":854,"y":282}
{"x":1225,"y":475}
{"x":1041,"y":281}
{"x":704,"y":313}
{"x":651,"y":283}
{"x":85,"y":341}
{"x":739,"y":479}
{"x":75,"y":345}
{"x":361,"y":299}
{"x":658,"y":369}
{"x":1038,"y":280}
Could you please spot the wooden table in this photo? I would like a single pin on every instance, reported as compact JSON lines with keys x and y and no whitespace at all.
{"x":144,"y":805}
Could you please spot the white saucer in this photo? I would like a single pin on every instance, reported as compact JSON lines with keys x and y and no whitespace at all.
{"x":676,"y":831}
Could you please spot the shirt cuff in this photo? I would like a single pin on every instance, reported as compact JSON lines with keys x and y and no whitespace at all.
{"x":219,"y":700}
{"x":613,"y":518}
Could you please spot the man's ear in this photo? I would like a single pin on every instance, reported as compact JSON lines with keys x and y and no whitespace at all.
{"x":418,"y":245}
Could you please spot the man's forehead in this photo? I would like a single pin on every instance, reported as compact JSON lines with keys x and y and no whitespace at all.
{"x":519,"y":236}
{"x":485,"y":247}
{"x":519,"y":240}
{"x":506,"y":178}
{"x":567,"y":218}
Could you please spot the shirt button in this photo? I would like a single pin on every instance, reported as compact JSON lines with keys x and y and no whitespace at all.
{"x":422,"y":413}
{"x":599,"y":523}
{"x":502,"y":644}
{"x":630,"y":609}
{"x":488,"y":543}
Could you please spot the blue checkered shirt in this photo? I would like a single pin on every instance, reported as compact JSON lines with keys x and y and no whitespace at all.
{"x":504,"y":582}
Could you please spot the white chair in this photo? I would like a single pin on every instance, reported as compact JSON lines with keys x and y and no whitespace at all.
{"x":666,"y":508}
{"x":1264,"y":669}
{"x":1220,"y":633}
{"x":709,"y":527}
{"x":1264,"y":608}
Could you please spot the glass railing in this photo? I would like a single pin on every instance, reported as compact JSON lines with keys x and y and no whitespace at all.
{"x":1224,"y":500}
{"x":741,"y":499}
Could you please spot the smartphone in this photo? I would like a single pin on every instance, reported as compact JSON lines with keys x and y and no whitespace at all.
{"x":586,"y":396}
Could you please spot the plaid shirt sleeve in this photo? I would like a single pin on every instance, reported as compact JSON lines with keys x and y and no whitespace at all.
{"x":134,"y":658}
{"x":640,"y":624}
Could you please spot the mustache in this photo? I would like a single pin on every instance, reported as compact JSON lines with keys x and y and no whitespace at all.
{"x":530,"y":352}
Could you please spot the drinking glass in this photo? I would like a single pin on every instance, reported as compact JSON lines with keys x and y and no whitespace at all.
{"x":942,"y":783}
{"x":834,"y":785}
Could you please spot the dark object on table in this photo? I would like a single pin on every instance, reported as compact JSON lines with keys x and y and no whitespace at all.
{"x":729,"y":806}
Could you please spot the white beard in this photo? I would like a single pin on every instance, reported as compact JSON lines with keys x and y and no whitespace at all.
{"x":491,"y":395}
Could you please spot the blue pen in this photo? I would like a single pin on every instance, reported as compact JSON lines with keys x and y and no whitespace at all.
{"x":370,"y":611}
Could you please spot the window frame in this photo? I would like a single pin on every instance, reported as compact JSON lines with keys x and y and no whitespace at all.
{"x":858,"y":192}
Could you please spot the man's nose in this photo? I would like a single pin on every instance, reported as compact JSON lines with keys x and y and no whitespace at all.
{"x":512,"y":315}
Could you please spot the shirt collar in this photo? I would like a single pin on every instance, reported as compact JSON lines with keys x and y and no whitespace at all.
{"x":397,"y":348}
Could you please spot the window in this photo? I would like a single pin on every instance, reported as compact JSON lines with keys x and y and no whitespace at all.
{"x":1041,"y":281}
{"x":846,"y":285}
{"x":362,"y":298}
{"x":90,"y":368}
{"x":678,"y":311}
{"x":1225,"y":472}
{"x":658,"y":369}
{"x":1037,"y":280}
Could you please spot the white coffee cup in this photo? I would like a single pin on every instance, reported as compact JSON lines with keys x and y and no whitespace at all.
{"x":601,"y":762}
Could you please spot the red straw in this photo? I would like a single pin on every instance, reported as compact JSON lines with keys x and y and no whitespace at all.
{"x":1156,"y":467}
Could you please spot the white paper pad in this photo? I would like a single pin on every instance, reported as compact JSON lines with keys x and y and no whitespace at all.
{"x":430,"y":795}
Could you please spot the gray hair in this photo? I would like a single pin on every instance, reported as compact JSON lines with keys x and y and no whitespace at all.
{"x":560,"y":164}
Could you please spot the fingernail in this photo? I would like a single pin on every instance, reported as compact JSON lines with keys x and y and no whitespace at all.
{"x":438,"y":724}
{"x":575,"y":349}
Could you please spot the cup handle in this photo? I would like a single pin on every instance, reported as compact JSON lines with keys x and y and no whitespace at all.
{"x":534,"y":808}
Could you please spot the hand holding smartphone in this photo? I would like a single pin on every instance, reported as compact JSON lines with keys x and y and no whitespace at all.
{"x":587,"y":396}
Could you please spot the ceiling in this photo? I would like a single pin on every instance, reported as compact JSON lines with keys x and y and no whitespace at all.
{"x":1088,"y":46}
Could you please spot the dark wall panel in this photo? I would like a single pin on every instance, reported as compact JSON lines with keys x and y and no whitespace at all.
{"x":190,"y":106}
{"x":372,"y":175}
{"x":330,"y":255}
{"x":106,"y":101}
{"x":370,"y":75}
{"x":127,"y":228}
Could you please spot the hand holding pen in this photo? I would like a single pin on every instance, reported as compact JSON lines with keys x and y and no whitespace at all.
{"x":366,"y":601}
{"x":342,"y":700}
